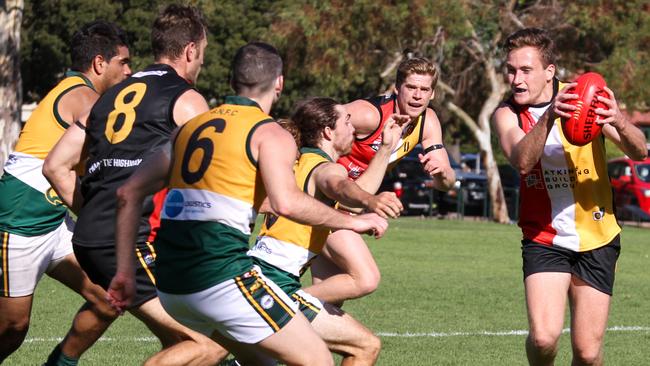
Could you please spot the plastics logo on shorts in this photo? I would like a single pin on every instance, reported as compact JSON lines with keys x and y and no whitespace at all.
{"x":174,"y":204}
{"x":266,"y":301}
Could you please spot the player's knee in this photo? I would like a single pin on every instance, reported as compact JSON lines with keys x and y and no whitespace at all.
{"x":372,"y":346}
{"x":590,"y":355}
{"x":14,"y":328}
{"x":543,"y":342}
{"x":368,"y":283}
{"x":210,"y":352}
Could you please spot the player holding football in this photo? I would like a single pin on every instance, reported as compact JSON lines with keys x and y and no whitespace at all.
{"x":571,"y":237}
{"x":346,"y":269}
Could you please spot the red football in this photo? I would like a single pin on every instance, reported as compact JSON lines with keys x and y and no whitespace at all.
{"x":581,"y":127}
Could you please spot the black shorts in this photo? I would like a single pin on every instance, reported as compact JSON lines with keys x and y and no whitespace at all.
{"x":100,"y":265}
{"x":596,"y":267}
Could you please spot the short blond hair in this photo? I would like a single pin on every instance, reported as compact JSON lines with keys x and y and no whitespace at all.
{"x":416,"y":65}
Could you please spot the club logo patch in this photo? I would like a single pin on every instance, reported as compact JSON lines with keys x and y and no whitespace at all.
{"x":52,"y":197}
{"x":267,"y":302}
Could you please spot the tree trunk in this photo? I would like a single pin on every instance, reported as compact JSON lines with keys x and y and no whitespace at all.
{"x":497,"y":198}
{"x":11,"y":14}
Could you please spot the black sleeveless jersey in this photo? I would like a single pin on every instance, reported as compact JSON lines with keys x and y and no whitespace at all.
{"x":127,"y":124}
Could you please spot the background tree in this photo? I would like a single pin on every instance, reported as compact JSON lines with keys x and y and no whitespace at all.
{"x":349,"y":49}
{"x":11,"y":13}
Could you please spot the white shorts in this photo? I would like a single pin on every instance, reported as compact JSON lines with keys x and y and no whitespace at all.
{"x":308,"y":304}
{"x":247,"y":308}
{"x":26,"y":258}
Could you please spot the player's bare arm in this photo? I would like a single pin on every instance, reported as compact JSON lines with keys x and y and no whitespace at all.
{"x":189,"y":105}
{"x":275,"y":150}
{"x":363,"y":116}
{"x":436,"y":162}
{"x":148,"y":179}
{"x":332,"y":180}
{"x":370,"y":180}
{"x":618,"y":128}
{"x":60,"y":164}
{"x":522,"y":150}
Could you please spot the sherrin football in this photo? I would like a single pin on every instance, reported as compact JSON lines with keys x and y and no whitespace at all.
{"x":581,"y":128}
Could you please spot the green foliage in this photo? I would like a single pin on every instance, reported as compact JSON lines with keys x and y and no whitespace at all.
{"x":612,"y":37}
{"x":48,"y":26}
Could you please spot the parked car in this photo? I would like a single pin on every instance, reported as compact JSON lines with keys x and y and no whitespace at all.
{"x":631,"y":187}
{"x":412,"y":185}
{"x":415,"y":188}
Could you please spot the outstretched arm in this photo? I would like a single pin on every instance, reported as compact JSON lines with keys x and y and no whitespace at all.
{"x":436,"y":161}
{"x":332,"y":180}
{"x":148,"y":179}
{"x":276,"y":151}
{"x":371,"y":178}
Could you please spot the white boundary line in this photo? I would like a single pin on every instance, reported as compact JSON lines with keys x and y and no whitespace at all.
{"x":483,"y":333}
{"x":497,"y":333}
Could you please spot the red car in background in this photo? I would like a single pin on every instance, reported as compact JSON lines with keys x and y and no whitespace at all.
{"x":631,"y":185}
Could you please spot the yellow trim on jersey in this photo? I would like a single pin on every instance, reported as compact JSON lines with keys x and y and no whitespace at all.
{"x":288,"y":231}
{"x":408,"y":143}
{"x":44,"y":127}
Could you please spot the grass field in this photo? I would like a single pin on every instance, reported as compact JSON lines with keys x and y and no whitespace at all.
{"x":451,"y":294}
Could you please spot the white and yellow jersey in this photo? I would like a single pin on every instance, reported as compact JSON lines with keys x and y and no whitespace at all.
{"x":566,"y":199}
{"x":28,"y":204}
{"x":286,"y":244}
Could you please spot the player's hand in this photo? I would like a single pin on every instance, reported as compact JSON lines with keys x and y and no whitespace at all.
{"x":560,"y":106}
{"x":121,"y":291}
{"x":386,"y":204}
{"x":370,"y":223}
{"x":393,"y":130}
{"x":613,"y":115}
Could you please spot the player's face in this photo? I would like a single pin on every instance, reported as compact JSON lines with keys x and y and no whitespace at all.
{"x":343,"y":132}
{"x":195,"y":66}
{"x":414,"y":94}
{"x":530,"y":81}
{"x":118,"y":67}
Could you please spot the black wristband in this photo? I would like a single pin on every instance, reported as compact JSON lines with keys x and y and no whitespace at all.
{"x":434,"y":147}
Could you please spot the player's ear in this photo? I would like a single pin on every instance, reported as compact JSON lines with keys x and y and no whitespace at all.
{"x":279,"y":84}
{"x":550,"y":72}
{"x":328,"y":133}
{"x":99,"y":64}
{"x":190,"y":52}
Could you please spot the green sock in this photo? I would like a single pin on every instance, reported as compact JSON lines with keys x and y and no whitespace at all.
{"x":57,"y":358}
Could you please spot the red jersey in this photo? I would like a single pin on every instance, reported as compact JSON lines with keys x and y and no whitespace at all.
{"x":364,"y":149}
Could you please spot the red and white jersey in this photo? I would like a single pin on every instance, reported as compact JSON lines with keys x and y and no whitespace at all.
{"x":364,"y":149}
{"x":566,"y":200}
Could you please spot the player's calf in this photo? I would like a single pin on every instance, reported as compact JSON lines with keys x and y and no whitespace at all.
{"x":14,"y":323}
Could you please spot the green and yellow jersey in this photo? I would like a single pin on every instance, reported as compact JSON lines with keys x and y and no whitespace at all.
{"x":28,"y":204}
{"x":284,"y":248}
{"x":214,"y":193}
